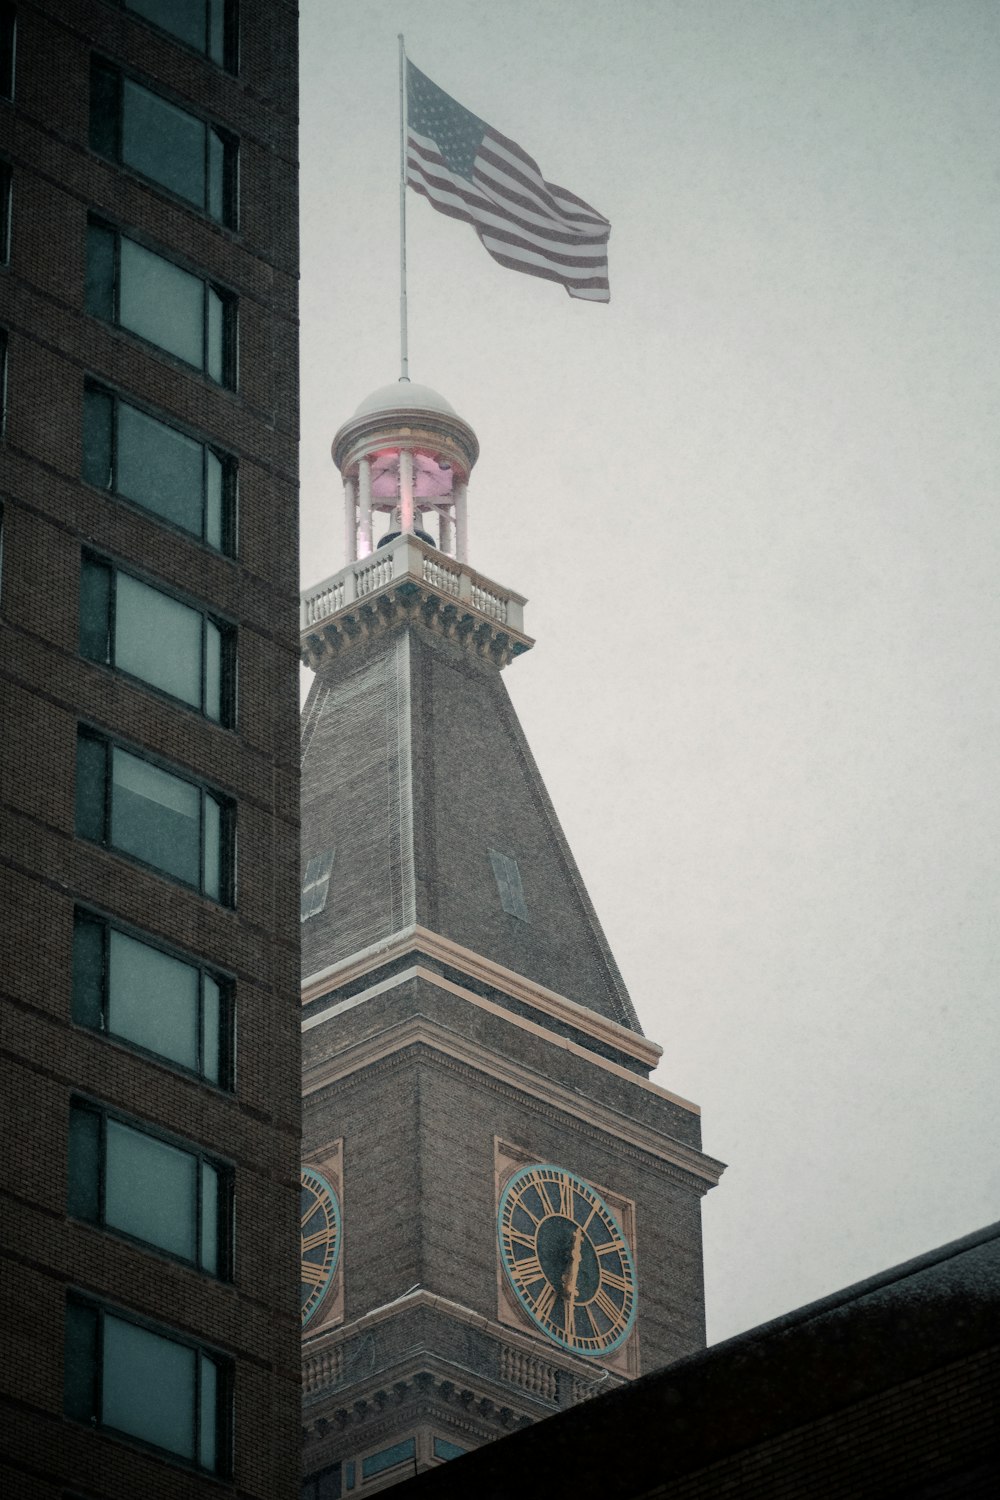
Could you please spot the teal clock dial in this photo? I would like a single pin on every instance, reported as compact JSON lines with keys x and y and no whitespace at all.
{"x":319,"y":1211}
{"x":567,"y":1260}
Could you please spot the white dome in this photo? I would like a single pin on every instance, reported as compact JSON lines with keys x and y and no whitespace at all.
{"x":407,"y":396}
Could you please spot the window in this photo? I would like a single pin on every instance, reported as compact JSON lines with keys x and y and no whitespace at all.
{"x":388,"y":1458}
{"x":172,"y":1007}
{"x":129,"y":1180}
{"x":148,"y":1383}
{"x":179,"y":479}
{"x":209,"y":26}
{"x":326,"y":1485}
{"x":445,"y":1450}
{"x":126,"y":803}
{"x":6,"y":185}
{"x":181,"y":152}
{"x":508,"y":879}
{"x":134,"y":288}
{"x":134,"y":628}
{"x":315,"y":884}
{"x":8,"y":49}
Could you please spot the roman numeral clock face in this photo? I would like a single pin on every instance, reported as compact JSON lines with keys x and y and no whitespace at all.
{"x":567,"y":1260}
{"x":320,"y":1240}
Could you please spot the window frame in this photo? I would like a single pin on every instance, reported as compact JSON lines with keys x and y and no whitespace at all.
{"x":226,"y":1207}
{"x":224,"y":1394}
{"x":224,"y":982}
{"x":229,"y":300}
{"x":6,"y":208}
{"x":229,"y":522}
{"x":116,"y":79}
{"x":230,"y":60}
{"x":225,"y":803}
{"x":227,"y":645}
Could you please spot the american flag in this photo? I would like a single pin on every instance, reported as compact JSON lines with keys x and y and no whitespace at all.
{"x":470,"y":171}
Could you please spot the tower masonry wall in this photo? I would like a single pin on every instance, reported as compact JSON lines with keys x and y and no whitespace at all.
{"x":437,"y":1085}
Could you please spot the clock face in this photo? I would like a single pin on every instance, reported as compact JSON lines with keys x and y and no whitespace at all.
{"x":567,"y":1260}
{"x":319,"y":1213}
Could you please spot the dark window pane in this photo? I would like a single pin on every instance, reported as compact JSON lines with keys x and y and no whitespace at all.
{"x":150,"y":1190}
{"x":95,"y":610}
{"x":212,"y":1033}
{"x":153,"y":999}
{"x":100,"y":294}
{"x":214,"y":483}
{"x":84,"y":1166}
{"x":213,"y":705}
{"x":184,"y":19}
{"x":80,"y":1362}
{"x":215,"y":362}
{"x":8,"y":38}
{"x":216,"y":196}
{"x":88,"y":972}
{"x":164,"y":143}
{"x":160,"y":469}
{"x":388,"y":1458}
{"x":213,"y":865}
{"x":158,"y":639}
{"x":217,"y":30}
{"x":163,"y":304}
{"x":105,"y":100}
{"x":156,"y":817}
{"x":149,"y":1387}
{"x":98,"y":419}
{"x":91,"y":773}
{"x":211,"y":1187}
{"x":446,"y":1450}
{"x":208,"y":1455}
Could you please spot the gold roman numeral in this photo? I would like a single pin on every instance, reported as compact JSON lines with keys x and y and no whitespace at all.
{"x":312,"y":1275}
{"x":546,"y":1300}
{"x":610,"y":1310}
{"x":528,"y":1271}
{"x":311,"y":1241}
{"x":515,"y":1236}
{"x":608,"y":1278}
{"x":565,"y":1198}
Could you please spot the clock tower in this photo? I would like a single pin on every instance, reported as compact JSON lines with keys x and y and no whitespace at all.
{"x":500,"y":1211}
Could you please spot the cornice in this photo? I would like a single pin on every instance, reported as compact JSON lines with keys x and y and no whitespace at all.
{"x":417,"y":939}
{"x":584,"y":1372}
{"x":694,"y":1165}
{"x":410,"y":580}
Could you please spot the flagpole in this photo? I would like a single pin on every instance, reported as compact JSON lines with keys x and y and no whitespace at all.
{"x":404,"y":357}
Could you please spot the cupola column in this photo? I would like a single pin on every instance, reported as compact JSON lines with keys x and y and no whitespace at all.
{"x":365,"y":506}
{"x":447,"y":531}
{"x":405,"y":490}
{"x":350,"y":521}
{"x":461,"y":522}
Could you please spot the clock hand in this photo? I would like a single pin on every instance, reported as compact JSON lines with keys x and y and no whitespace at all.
{"x":570,"y":1278}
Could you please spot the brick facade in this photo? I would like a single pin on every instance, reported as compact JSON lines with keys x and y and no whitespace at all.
{"x":46,"y":872}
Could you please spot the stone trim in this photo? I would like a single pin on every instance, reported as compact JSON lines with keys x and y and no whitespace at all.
{"x":418,"y":1030}
{"x":467,"y":961}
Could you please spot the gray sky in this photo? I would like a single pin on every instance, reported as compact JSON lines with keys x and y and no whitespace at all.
{"x":753,"y":503}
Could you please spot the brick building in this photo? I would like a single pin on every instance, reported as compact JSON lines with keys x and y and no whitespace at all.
{"x":502,"y":1211}
{"x":149,"y":780}
{"x":890,"y":1388}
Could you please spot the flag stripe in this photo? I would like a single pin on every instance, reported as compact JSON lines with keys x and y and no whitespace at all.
{"x":480,"y":209}
{"x":584,"y":259}
{"x":469,"y":171}
{"x":423,"y":157}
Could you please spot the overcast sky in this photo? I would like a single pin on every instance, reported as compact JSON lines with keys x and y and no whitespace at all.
{"x":753,"y":503}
